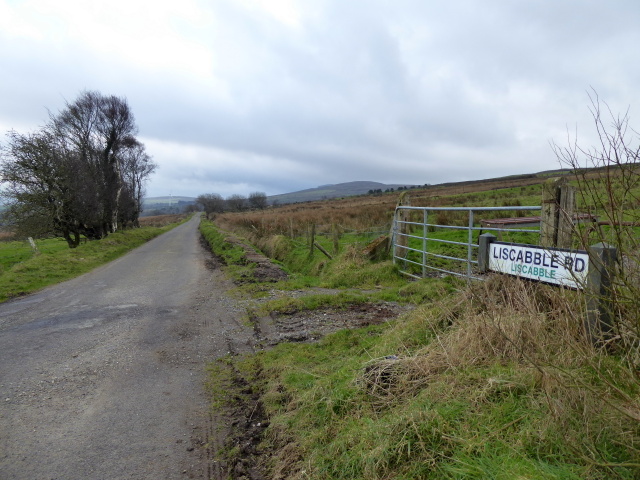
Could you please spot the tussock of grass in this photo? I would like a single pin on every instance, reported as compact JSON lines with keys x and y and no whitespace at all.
{"x":428,"y":290}
{"x":277,"y":247}
{"x":491,"y":383}
{"x":352,"y":269}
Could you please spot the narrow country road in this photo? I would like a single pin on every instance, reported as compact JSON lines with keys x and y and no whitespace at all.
{"x":101,"y":377}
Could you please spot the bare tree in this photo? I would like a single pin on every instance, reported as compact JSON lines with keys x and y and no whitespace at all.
{"x":100,"y":129}
{"x":236,"y":203}
{"x":608,"y":177}
{"x":39,"y":184}
{"x":258,"y":200}
{"x":211,"y":203}
{"x":137,"y":166}
{"x":81,"y":174}
{"x":191,"y":208}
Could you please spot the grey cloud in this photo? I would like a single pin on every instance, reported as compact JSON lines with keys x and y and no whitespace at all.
{"x":409,"y":92}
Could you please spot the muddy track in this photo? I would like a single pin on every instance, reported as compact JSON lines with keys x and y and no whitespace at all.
{"x":248,"y":421}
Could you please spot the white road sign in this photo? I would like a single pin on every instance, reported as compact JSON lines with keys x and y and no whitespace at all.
{"x":549,"y":265}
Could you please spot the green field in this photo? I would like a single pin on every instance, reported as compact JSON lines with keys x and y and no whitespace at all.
{"x":23,"y":270}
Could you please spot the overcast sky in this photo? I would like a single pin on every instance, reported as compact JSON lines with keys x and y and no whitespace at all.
{"x":237,"y":96}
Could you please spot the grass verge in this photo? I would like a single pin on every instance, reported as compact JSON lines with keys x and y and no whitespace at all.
{"x":22,"y":271}
{"x":492,"y":382}
{"x":350,"y":272}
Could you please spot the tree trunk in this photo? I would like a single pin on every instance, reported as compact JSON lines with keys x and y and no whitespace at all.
{"x":72,"y":242}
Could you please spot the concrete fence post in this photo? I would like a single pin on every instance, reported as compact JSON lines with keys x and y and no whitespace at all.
{"x":600,"y":320}
{"x":484,"y":244}
{"x":34,"y":247}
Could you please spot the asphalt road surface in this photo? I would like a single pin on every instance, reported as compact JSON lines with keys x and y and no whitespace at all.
{"x":101,"y":377}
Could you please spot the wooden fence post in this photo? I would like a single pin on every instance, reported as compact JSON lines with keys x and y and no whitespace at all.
{"x":322,"y":249}
{"x":312,"y":238}
{"x":556,"y":217}
{"x":336,"y":238}
{"x":400,"y":226}
{"x":600,"y":315}
{"x":566,"y":215}
{"x":548,"y":221}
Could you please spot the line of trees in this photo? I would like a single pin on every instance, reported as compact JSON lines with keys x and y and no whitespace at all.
{"x":214,"y":203}
{"x":82,"y":174}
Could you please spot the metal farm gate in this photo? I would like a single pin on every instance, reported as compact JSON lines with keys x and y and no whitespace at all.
{"x":445,"y":239}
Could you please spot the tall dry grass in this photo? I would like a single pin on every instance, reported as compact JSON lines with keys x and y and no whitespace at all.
{"x":6,"y":236}
{"x":295,"y":220}
{"x":364,"y":213}
{"x":534,"y":332}
{"x":503,"y":320}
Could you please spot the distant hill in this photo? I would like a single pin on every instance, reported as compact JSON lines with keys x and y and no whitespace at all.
{"x":165,"y":205}
{"x":152,"y":202}
{"x":332,"y":191}
{"x":349,"y":189}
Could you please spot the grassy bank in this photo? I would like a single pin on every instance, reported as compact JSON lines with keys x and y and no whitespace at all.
{"x":24,"y":271}
{"x":492,"y":382}
{"x":359,"y":279}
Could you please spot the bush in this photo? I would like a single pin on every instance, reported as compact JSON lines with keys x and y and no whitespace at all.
{"x":608,"y":178}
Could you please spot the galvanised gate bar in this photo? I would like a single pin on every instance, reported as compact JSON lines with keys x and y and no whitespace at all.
{"x":417,"y":238}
